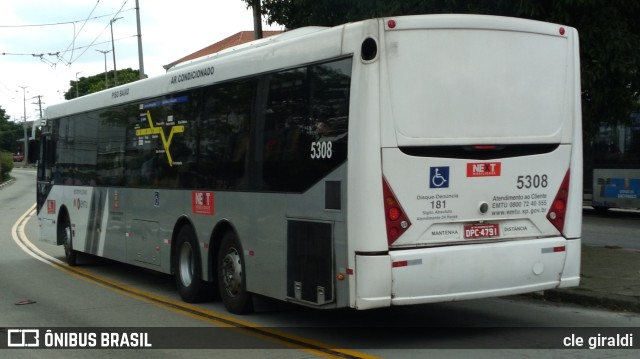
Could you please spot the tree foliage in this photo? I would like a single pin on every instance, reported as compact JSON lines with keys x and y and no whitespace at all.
{"x":609,"y":37}
{"x":6,"y":165}
{"x":95,"y":83}
{"x":10,"y":132}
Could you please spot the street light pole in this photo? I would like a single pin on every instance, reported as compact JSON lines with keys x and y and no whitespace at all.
{"x":106,"y":82}
{"x":77,"y":93}
{"x":113,"y":49}
{"x":25,"y":150}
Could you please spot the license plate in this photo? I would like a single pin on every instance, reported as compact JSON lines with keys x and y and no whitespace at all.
{"x":487,"y":230}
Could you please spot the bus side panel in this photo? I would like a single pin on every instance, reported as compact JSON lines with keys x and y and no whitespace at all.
{"x":78,"y":203}
{"x":616,"y":188}
{"x":151,"y":215}
{"x":48,"y":216}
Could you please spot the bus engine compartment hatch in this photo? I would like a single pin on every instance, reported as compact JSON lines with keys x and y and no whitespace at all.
{"x":309,"y":262}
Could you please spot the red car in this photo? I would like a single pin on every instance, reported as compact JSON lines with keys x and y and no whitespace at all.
{"x":18,"y":157}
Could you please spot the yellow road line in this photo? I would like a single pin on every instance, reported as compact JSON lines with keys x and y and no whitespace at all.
{"x":306,"y":344}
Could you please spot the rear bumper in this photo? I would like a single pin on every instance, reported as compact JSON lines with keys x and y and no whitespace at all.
{"x":429,"y":275}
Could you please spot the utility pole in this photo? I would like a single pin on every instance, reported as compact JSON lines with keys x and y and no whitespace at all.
{"x":257,"y":19}
{"x":25,"y":150}
{"x":39,"y":103}
{"x":113,"y":49}
{"x":106,"y":80}
{"x":39,"y":124}
{"x":140,"y":61}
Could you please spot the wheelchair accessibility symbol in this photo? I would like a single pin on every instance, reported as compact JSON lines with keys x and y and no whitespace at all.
{"x":439,"y":177}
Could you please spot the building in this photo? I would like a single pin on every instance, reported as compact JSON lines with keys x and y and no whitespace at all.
{"x":234,"y":40}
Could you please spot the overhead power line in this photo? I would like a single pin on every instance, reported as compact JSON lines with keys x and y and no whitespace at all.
{"x":75,"y":35}
{"x":60,"y":55}
{"x":71,"y":59}
{"x":64,"y":22}
{"x":57,"y":53}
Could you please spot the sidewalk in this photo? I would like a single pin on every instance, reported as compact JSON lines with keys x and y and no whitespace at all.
{"x":610,"y":278}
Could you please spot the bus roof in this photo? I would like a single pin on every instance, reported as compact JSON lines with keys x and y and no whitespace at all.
{"x":290,"y":49}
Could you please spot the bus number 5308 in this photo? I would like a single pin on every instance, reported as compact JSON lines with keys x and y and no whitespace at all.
{"x":321,"y":149}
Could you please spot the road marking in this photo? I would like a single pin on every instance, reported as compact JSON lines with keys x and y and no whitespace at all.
{"x":306,"y":344}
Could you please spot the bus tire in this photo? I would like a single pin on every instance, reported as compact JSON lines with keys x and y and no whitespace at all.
{"x":65,"y":236}
{"x":188,"y":268}
{"x":232,"y":282}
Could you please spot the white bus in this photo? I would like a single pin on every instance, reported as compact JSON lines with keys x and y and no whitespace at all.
{"x":387,"y":162}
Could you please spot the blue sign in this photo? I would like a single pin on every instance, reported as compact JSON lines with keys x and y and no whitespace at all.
{"x":622,"y":188}
{"x":439,"y":177}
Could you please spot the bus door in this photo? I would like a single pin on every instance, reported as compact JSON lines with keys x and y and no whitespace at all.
{"x":46,"y":174}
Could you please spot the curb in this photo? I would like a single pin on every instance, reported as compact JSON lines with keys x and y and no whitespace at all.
{"x":591,"y":299}
{"x":3,"y":184}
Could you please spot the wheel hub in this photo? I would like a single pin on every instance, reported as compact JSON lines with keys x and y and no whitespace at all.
{"x":232,"y":272}
{"x":185,"y":266}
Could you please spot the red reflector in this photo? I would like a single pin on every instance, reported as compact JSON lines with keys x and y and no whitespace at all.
{"x":561,"y":31}
{"x":399,"y":264}
{"x":391,"y":24}
{"x":484,"y":147}
{"x":396,"y":219}
{"x":558,"y":208}
{"x":559,"y":249}
{"x":558,"y":205}
{"x":393,"y":213}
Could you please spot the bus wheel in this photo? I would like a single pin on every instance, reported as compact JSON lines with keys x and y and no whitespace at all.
{"x":188,"y":268}
{"x":65,"y":236}
{"x":231,"y":276}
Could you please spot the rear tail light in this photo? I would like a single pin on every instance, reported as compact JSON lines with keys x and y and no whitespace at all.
{"x":558,"y":210}
{"x":396,"y":219}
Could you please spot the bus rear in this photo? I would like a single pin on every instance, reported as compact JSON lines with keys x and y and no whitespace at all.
{"x":481,"y":161}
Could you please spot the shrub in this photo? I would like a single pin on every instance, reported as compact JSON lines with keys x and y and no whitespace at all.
{"x":6,"y":165}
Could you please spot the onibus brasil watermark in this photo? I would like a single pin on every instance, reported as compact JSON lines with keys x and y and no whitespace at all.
{"x":40,"y":338}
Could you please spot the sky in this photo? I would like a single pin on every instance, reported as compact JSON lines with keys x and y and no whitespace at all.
{"x":44,"y":58}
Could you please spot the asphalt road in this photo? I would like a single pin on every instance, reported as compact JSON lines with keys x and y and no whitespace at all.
{"x":617,"y":228}
{"x":131,"y":297}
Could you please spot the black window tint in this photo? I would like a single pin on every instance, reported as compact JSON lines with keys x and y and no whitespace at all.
{"x":282,"y":131}
{"x":286,"y":124}
{"x":111,"y":146}
{"x":306,"y":124}
{"x":225,"y":135}
{"x":84,"y":148}
{"x":62,"y":172}
{"x":75,"y":150}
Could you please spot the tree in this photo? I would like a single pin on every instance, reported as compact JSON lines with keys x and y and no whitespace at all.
{"x":95,"y":83}
{"x":609,"y":38}
{"x":10,"y":132}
